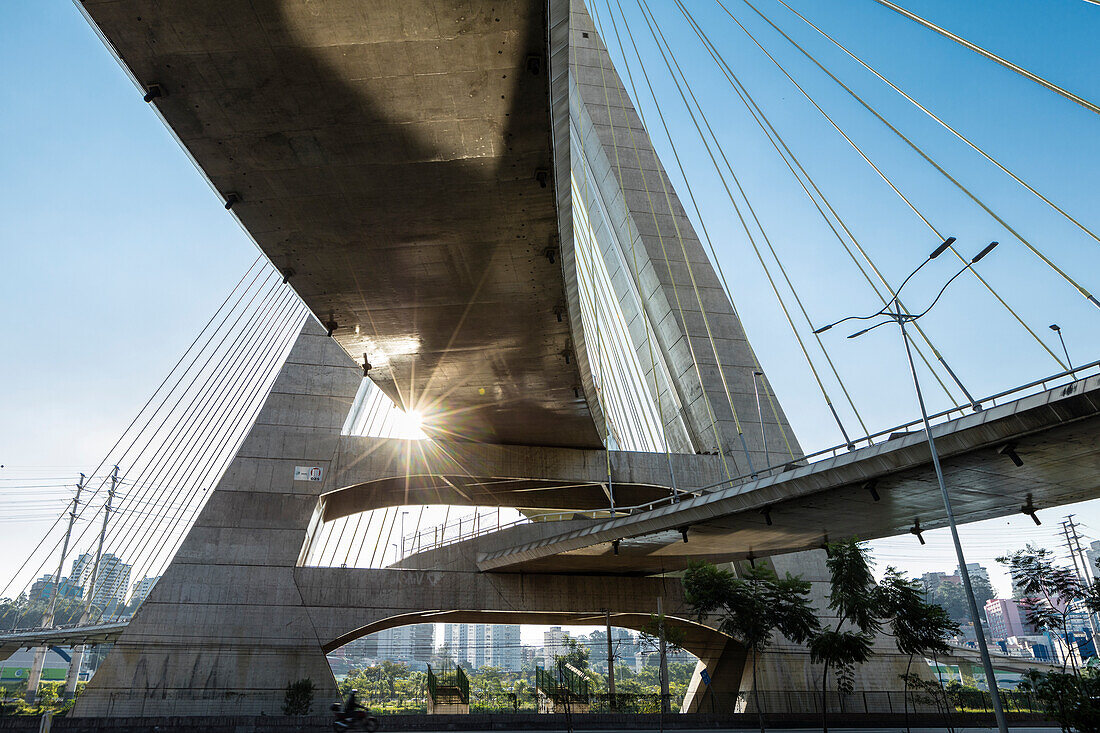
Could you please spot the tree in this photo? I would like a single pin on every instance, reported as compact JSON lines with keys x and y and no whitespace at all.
{"x":656,"y":631}
{"x":1072,"y":700}
{"x":1050,"y":593}
{"x":22,"y":612}
{"x":752,"y":609}
{"x":298,"y":699}
{"x":854,"y":597}
{"x":918,"y":627}
{"x":576,"y":654}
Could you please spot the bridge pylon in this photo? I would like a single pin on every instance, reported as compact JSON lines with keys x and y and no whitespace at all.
{"x":236,"y":616}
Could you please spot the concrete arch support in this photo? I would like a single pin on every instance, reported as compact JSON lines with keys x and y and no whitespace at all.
{"x":235,"y":619}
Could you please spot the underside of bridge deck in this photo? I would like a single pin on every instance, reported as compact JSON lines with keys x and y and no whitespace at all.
{"x":881,"y":491}
{"x":395,"y":160}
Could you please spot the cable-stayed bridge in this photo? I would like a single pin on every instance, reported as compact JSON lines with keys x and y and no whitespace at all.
{"x":472,"y":211}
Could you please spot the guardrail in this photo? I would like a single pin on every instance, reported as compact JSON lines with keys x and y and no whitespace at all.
{"x":440,"y":535}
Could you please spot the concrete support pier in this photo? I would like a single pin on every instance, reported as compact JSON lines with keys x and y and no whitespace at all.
{"x":235,"y":618}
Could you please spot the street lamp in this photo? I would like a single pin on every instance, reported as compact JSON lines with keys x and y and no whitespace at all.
{"x":403,"y":534}
{"x":1058,"y":330}
{"x":893,"y":312}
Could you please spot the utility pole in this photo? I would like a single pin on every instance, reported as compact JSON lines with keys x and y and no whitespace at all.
{"x":662,"y":649}
{"x":78,"y":651}
{"x":1085,"y":572}
{"x":610,"y":662}
{"x":99,"y":547}
{"x":1069,"y":545}
{"x":895,"y":312}
{"x":403,"y":535}
{"x":35,"y":676}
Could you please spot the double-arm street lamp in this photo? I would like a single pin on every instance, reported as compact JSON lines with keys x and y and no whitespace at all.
{"x":893,"y":312}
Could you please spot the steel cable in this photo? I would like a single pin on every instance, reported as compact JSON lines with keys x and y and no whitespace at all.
{"x":749,"y":234}
{"x":137,"y":417}
{"x":186,"y":419}
{"x":992,"y":56}
{"x":1034,"y":250}
{"x":946,"y":126}
{"x":773,"y":136}
{"x":199,"y":452}
{"x":691,"y":194}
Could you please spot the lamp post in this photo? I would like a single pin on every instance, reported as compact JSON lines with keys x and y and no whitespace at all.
{"x":403,"y":534}
{"x":1058,"y":330}
{"x":893,"y":312}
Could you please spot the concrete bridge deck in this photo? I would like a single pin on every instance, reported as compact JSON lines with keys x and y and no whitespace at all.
{"x":394,"y":160}
{"x":1055,"y":434}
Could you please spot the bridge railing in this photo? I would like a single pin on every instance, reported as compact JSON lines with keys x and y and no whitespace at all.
{"x":469,"y":527}
{"x":481,"y":523}
{"x":1015,"y":393}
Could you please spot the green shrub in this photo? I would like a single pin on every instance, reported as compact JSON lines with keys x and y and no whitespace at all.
{"x":299,"y":697}
{"x":1072,"y":700}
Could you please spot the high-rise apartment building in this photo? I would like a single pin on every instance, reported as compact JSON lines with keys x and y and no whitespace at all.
{"x":142,"y":589}
{"x":456,"y":642}
{"x":1006,"y":619}
{"x":1092,"y":552}
{"x":111,"y":583}
{"x":506,"y":650}
{"x":411,"y":645}
{"x":977,"y":570}
{"x":479,"y":646}
{"x":43,"y":589}
{"x":554,"y":644}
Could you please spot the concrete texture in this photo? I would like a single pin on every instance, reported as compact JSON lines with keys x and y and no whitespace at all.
{"x":408,"y":166}
{"x":371,"y":473}
{"x":226,"y":620}
{"x":390,"y":154}
{"x":701,"y":362}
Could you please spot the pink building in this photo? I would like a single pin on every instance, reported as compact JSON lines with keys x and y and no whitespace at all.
{"x":1005,"y":619}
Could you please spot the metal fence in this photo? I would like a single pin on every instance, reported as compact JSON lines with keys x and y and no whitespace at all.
{"x":776,"y":702}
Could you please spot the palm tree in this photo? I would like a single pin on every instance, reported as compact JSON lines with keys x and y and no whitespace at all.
{"x":752,"y":608}
{"x":854,"y":597}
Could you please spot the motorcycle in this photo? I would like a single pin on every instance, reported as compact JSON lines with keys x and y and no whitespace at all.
{"x":354,"y":720}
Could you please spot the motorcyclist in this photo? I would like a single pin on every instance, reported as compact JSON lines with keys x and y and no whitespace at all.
{"x":353,"y":715}
{"x":352,"y":705}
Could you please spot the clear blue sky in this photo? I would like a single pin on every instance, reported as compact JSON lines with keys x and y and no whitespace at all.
{"x":115,"y":250}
